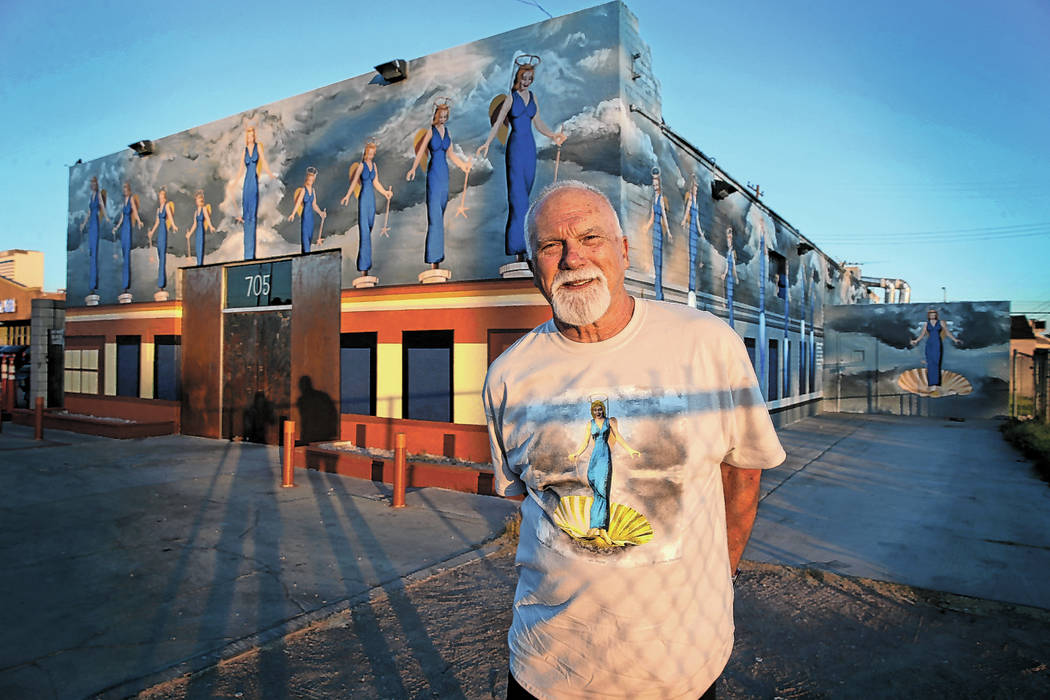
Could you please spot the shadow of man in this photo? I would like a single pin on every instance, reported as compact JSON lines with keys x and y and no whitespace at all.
{"x":317,"y":411}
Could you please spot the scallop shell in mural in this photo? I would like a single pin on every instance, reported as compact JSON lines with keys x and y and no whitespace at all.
{"x":952,"y":384}
{"x":626,"y":525}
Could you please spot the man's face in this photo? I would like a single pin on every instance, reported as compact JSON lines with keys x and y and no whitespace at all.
{"x":579,"y":258}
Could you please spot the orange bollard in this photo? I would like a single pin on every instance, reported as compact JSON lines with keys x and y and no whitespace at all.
{"x":399,"y":472}
{"x":289,"y":451}
{"x":38,"y":419}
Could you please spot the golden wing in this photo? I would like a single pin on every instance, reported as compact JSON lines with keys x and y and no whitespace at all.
{"x":417,"y":144}
{"x":494,"y":108}
{"x":354,"y":169}
{"x":299,"y":208}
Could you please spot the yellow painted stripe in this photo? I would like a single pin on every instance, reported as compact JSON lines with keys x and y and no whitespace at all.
{"x":146,"y":359}
{"x":110,"y":359}
{"x":389,"y":387}
{"x":159,"y":313}
{"x":400,"y":303}
{"x":469,"y":365}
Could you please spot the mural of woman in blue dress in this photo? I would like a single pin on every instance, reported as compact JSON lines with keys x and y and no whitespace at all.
{"x":200,"y":226}
{"x":253,"y":163}
{"x":692,"y":217}
{"x":729,"y":274}
{"x":96,"y":213}
{"x":164,"y":221}
{"x":129,"y":214}
{"x":935,"y":332}
{"x":436,"y":143}
{"x":520,"y":111}
{"x":306,"y":205}
{"x":604,"y":433}
{"x":660,"y":224}
{"x":364,"y":182}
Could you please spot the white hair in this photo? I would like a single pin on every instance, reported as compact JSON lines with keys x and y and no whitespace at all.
{"x":530,"y":215}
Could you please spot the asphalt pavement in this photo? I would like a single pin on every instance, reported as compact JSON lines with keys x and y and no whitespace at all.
{"x":126,"y":563}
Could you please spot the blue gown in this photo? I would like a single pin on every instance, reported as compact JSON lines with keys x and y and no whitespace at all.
{"x":658,"y":246}
{"x":437,"y":194}
{"x":694,"y":242}
{"x":250,"y":199}
{"x":730,"y":264}
{"x":92,"y":233}
{"x":306,"y":222}
{"x":934,"y":353}
{"x":198,"y":231}
{"x":599,"y":473}
{"x":521,"y":169}
{"x":125,"y":244}
{"x":366,"y":217}
{"x":162,"y":247}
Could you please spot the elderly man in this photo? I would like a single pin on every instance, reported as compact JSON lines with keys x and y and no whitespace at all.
{"x":636,"y":431}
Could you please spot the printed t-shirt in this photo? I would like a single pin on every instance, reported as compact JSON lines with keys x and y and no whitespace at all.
{"x":650,"y":615}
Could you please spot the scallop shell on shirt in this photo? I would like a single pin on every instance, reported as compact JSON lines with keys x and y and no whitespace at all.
{"x":626,"y":525}
{"x":952,"y":384}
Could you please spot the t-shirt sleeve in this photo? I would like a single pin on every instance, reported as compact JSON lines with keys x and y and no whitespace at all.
{"x":506,"y":481}
{"x":753,"y":442}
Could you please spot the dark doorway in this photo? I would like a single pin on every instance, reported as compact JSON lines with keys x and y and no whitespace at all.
{"x":256,"y":395}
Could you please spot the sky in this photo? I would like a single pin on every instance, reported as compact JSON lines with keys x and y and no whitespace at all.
{"x":913,"y":142}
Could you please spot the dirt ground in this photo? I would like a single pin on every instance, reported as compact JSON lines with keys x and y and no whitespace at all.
{"x":801,"y":633}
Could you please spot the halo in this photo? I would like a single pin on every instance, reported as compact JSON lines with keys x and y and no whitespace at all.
{"x":527,"y":59}
{"x":371,"y":141}
{"x":443,"y":102}
{"x":599,"y":397}
{"x":198,"y":193}
{"x":311,"y":170}
{"x":655,"y":171}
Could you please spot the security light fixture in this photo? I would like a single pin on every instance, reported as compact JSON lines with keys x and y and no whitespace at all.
{"x":720,"y":189}
{"x":142,"y":148}
{"x":393,"y":71}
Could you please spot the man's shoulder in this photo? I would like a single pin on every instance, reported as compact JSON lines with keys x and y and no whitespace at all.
{"x":514,"y":356}
{"x":687,"y":323}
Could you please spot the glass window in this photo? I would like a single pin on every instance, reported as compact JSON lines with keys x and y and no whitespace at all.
{"x":427,"y":373}
{"x":357,"y":373}
{"x":81,"y":370}
{"x":749,"y":343}
{"x":128,"y":349}
{"x":167,"y":378}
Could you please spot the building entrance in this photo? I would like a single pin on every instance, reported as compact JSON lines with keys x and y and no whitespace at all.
{"x":260,"y":347}
{"x":256,"y":397}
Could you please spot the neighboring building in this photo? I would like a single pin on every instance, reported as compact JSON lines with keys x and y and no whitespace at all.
{"x":23,"y":266}
{"x":28,"y":317}
{"x":228,"y":334}
{"x":16,"y":308}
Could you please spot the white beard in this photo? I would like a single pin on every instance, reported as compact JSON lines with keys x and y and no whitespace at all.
{"x":580,"y":307}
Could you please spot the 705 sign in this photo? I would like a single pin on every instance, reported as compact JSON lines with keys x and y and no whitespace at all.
{"x":257,"y":285}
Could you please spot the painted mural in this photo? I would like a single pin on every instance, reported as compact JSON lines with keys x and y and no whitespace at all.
{"x":947,"y":360}
{"x":490,"y":123}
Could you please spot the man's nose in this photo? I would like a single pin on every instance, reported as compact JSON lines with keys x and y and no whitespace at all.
{"x":572,"y":256}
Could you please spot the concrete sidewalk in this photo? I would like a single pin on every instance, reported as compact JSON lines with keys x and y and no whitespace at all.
{"x":926,"y":502}
{"x":126,"y":562}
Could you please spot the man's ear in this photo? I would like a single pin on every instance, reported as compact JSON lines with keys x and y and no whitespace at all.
{"x":532,"y":269}
{"x":626,"y":252}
